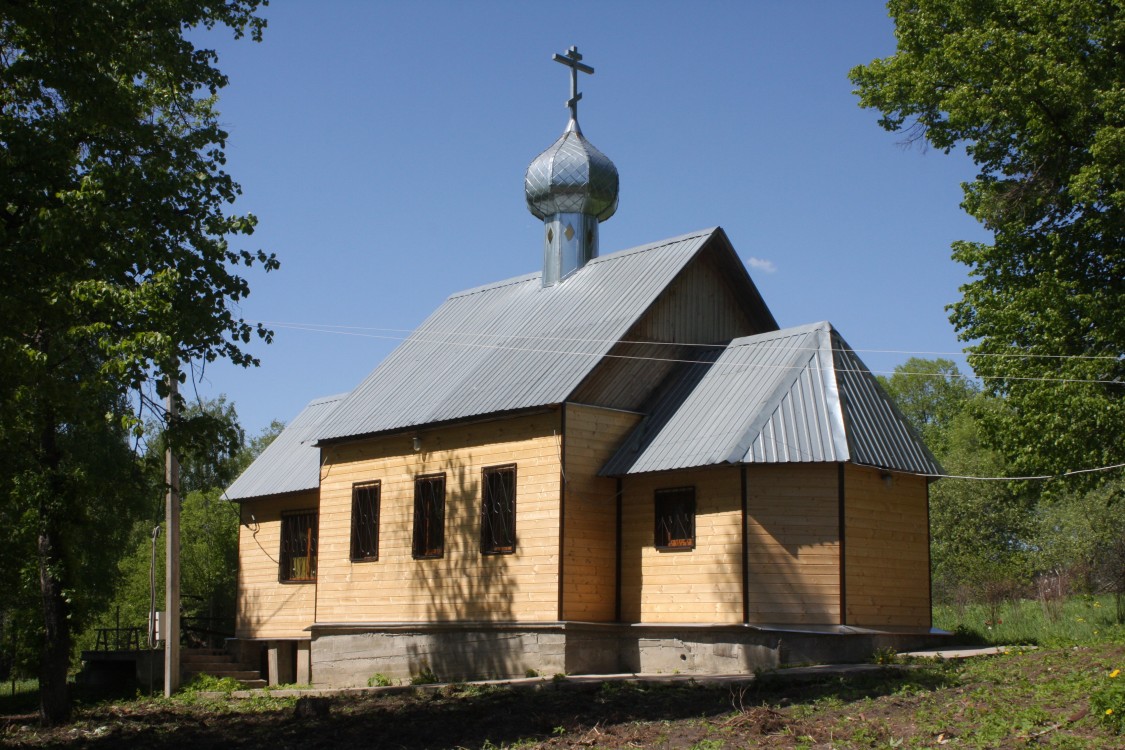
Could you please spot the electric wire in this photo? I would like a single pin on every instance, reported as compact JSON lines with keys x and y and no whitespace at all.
{"x":334,"y":328}
{"x":415,"y":338}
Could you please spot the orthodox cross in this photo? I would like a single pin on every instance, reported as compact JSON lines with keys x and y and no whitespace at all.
{"x":572,"y":61}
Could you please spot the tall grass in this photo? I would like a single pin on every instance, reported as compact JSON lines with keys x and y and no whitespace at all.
{"x":1054,"y":623}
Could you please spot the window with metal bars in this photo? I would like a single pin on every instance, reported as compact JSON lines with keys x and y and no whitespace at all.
{"x":429,"y":516}
{"x":298,"y":547}
{"x":498,"y":510}
{"x":365,"y":521}
{"x":675,"y":519}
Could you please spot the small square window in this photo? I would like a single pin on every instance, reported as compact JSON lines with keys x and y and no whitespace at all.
{"x":365,"y":521}
{"x":498,"y":510}
{"x":429,"y":516}
{"x":298,"y":547}
{"x":675,"y":519}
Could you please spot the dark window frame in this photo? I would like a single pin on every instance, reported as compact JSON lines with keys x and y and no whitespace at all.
{"x":366,"y":500}
{"x":498,"y":510}
{"x":299,"y":532}
{"x":429,"y":517}
{"x":674,"y":512}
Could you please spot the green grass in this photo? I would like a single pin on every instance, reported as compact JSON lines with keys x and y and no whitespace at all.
{"x":1080,"y":620}
{"x":19,"y":697}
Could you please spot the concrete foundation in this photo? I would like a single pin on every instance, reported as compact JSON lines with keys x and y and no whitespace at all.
{"x":350,"y":655}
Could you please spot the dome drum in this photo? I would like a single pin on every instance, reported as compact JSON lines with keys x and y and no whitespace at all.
{"x":570,"y":241}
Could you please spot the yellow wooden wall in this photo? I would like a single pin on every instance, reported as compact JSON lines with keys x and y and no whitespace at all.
{"x":462,"y":585}
{"x":267,"y":608}
{"x":701,"y":585}
{"x":794,"y":544}
{"x":590,"y":526}
{"x":887,"y":561}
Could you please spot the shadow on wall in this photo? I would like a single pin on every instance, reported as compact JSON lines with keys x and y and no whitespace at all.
{"x":465,"y":589}
{"x":794,"y":545}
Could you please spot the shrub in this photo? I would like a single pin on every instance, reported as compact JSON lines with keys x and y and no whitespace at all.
{"x":379,"y":680}
{"x":425,"y":676}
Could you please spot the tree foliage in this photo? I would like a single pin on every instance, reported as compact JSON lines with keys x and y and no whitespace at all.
{"x":932,"y":394}
{"x":1033,"y":90}
{"x":208,"y":533}
{"x":115,"y":257}
{"x":979,"y":531}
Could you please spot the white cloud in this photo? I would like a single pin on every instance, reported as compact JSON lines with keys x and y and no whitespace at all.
{"x":763,"y":265}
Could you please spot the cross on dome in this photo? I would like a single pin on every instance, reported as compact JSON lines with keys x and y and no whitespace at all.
{"x":572,"y":59}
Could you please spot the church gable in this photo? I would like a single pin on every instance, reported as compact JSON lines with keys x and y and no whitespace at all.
{"x":511,"y":346}
{"x":710,"y":302}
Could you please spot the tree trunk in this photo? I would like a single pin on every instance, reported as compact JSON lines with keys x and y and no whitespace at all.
{"x":54,"y":659}
{"x":54,"y":704}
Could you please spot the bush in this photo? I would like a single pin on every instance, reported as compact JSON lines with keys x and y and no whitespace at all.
{"x":425,"y":676}
{"x":379,"y":680}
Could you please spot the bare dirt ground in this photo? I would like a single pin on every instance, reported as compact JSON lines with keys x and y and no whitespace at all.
{"x":1038,"y":698}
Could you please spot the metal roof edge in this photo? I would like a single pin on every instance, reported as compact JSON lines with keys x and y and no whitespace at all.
{"x":654,"y":245}
{"x":840,"y":346}
{"x":838,"y":430}
{"x":535,"y":275}
{"x":491,"y":416}
{"x":796,"y":364}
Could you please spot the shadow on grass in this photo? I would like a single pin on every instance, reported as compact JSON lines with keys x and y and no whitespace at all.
{"x":469,"y":716}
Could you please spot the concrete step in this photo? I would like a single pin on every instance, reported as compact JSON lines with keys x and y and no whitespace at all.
{"x":207,"y":660}
{"x":242,"y":675}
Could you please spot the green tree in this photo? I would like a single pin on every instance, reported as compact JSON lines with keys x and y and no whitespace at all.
{"x":979,"y":530}
{"x":115,"y":256}
{"x":931,"y":393}
{"x":208,"y":532}
{"x":1034,"y":90}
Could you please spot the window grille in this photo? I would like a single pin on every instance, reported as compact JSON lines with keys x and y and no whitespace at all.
{"x":429,"y":516}
{"x":365,"y":521}
{"x":498,"y":510}
{"x":298,"y":546}
{"x":675,"y":518}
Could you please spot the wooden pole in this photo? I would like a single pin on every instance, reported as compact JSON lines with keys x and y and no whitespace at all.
{"x":172,"y":557}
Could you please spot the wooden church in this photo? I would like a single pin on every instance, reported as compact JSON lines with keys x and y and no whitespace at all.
{"x":616,"y":464}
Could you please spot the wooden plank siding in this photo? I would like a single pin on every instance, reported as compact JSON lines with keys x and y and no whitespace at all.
{"x":698,"y":307}
{"x":698,"y":585}
{"x":463,"y":584}
{"x":887,"y":560}
{"x":792,"y":524}
{"x":590,"y":524}
{"x":267,"y":608}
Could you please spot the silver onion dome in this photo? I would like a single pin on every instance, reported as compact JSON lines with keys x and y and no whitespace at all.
{"x":571,"y":177}
{"x":572,"y":187}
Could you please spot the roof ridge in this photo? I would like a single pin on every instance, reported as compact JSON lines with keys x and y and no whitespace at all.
{"x":514,"y":280}
{"x":327,"y":399}
{"x":654,"y":245}
{"x":757,"y":338}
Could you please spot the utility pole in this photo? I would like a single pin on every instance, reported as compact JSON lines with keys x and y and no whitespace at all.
{"x":172,"y":554}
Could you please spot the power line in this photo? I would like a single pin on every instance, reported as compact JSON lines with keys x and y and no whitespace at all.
{"x":1039,"y":477}
{"x":416,"y":338}
{"x":343,"y":329}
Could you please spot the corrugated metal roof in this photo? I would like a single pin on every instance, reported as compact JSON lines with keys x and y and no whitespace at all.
{"x":790,"y":396}
{"x":511,"y":345}
{"x":291,"y":463}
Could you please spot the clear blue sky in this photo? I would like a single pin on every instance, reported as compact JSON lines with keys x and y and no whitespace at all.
{"x":382,"y":146}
